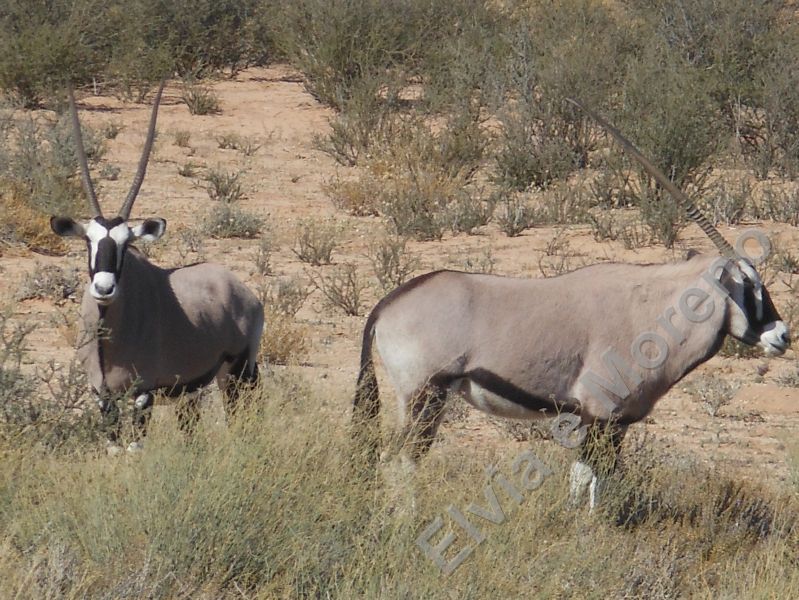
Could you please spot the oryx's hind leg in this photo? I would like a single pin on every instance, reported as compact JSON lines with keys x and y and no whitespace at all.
{"x":237,"y":376}
{"x":426,"y":410}
{"x":419,"y":423}
{"x":598,"y":458}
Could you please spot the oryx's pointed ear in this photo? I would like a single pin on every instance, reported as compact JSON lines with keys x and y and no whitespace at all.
{"x":150,"y":230}
{"x":66,"y":227}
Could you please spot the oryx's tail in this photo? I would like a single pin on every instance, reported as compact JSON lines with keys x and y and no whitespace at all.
{"x":366,"y":404}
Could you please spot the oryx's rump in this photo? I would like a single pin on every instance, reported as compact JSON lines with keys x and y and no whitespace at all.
{"x":517,"y":347}
{"x":170,"y":328}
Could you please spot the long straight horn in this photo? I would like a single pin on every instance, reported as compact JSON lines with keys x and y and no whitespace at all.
{"x":124,"y":212}
{"x":84,"y":164}
{"x":693,"y":212}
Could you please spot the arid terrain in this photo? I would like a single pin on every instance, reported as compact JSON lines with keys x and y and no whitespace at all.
{"x":284,"y":181}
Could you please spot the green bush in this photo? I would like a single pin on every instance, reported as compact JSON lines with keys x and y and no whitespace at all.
{"x":131,"y":44}
{"x":337,"y":43}
{"x":41,"y":45}
{"x":669,"y":115}
{"x":574,"y":49}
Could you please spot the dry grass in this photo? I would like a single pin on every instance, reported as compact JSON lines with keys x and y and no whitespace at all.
{"x":20,"y":222}
{"x":285,"y":341}
{"x":269,"y":507}
{"x":274,"y":505}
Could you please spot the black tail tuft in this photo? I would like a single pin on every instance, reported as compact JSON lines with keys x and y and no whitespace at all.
{"x":366,"y":405}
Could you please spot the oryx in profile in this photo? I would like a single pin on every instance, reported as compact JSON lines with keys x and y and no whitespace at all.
{"x":147,"y":329}
{"x":603,"y":343}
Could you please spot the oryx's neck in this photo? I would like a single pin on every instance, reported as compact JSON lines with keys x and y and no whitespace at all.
{"x":130,"y":322}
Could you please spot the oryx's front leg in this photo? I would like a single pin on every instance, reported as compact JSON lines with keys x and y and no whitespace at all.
{"x":142,"y":411}
{"x":599,"y":455}
{"x":188,"y":412}
{"x":109,"y":419}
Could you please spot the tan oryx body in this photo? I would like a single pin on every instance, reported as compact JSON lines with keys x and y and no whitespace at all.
{"x":604,"y":343}
{"x":148,"y":329}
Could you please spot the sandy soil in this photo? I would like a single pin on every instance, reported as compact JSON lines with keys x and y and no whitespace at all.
{"x":284,"y":182}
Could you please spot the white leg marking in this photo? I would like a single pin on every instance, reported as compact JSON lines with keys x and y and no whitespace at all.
{"x":582,"y":476}
{"x":142,"y":401}
{"x":596,"y":491}
{"x":135,"y":447}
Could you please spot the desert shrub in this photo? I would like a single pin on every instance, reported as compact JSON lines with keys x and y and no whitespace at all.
{"x":668,"y":113}
{"x":366,"y":118}
{"x":469,"y":211}
{"x":781,"y":204}
{"x":423,"y":174}
{"x":603,"y":226}
{"x":392,"y":262}
{"x":771,"y":131}
{"x":188,"y":169}
{"x":40,"y":46}
{"x":727,"y":200}
{"x":484,"y":262}
{"x":337,"y":44}
{"x":110,"y":172}
{"x":38,"y":178}
{"x":46,"y":409}
{"x":562,"y":204}
{"x":227,"y":220}
{"x":286,"y":341}
{"x":558,"y":257}
{"x":21,"y":223}
{"x":200,"y":99}
{"x":111,"y":129}
{"x":358,"y":197}
{"x":343,"y":288}
{"x":224,"y":186}
{"x":714,"y":392}
{"x":50,"y":282}
{"x":181,"y":137}
{"x":463,"y":57}
{"x":530,"y":156}
{"x":263,"y":257}
{"x":15,"y":386}
{"x":247,"y":145}
{"x":571,"y":49}
{"x":415,"y":205}
{"x":190,"y":245}
{"x":316,"y":240}
{"x":734,"y":348}
{"x":285,"y":295}
{"x":515,"y":214}
{"x":729,"y":41}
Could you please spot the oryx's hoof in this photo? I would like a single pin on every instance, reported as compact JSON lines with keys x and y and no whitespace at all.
{"x":135,"y":447}
{"x":113,"y":449}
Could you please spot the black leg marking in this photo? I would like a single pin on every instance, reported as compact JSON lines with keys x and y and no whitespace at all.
{"x":109,"y":413}
{"x":188,"y":413}
{"x":427,"y":409}
{"x":600,"y":449}
{"x":241,"y":377}
{"x":142,"y":411}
